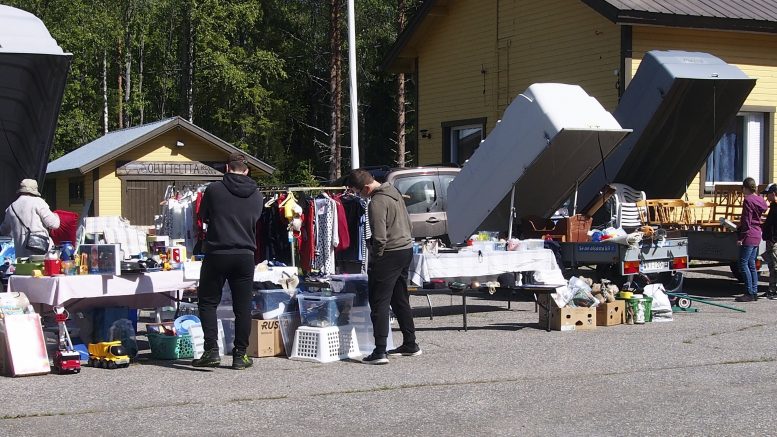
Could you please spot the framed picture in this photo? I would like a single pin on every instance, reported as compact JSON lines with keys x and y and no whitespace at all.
{"x":100,"y":259}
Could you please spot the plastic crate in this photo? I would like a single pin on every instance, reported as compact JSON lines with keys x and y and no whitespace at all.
{"x":356,"y":284}
{"x":325,"y":345}
{"x":169,"y":347}
{"x":323,"y":311}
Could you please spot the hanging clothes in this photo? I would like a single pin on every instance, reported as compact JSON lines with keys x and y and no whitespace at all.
{"x":327,"y":236}
{"x":342,"y":226}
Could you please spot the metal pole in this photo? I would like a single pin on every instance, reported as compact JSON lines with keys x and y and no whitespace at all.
{"x":352,"y":76}
{"x":512,"y":213}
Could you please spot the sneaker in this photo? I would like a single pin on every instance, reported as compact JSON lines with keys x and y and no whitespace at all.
{"x":746,"y":298}
{"x":406,"y":351}
{"x":241,"y":361}
{"x":375,"y":358}
{"x":210,"y":358}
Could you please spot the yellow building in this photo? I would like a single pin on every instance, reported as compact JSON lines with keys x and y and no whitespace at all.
{"x":127,"y":172}
{"x":469,"y":59}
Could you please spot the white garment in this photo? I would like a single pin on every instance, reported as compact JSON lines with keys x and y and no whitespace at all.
{"x":327,"y":236}
{"x":34,"y":213}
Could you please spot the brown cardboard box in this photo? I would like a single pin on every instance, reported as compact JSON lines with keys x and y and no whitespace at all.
{"x":567,"y":318}
{"x":265,"y":339}
{"x":611,"y":313}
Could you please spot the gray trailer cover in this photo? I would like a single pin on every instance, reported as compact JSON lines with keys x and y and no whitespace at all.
{"x":678,"y":105}
{"x":33,"y":72}
{"x":549,"y":137}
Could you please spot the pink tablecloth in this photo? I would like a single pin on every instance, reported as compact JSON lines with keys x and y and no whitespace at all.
{"x":147,"y":290}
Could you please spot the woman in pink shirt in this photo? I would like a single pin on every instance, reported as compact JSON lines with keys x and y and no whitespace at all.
{"x":749,"y":230}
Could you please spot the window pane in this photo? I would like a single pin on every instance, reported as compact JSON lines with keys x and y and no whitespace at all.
{"x":727,"y":161}
{"x":464,"y":141}
{"x":419,"y":193}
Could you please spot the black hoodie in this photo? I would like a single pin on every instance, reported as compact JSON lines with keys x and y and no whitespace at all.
{"x":231,"y":209}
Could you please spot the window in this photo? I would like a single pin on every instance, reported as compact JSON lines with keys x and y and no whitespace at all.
{"x":76,"y":190}
{"x":461,"y":139}
{"x":419,"y":193}
{"x":740,"y":152}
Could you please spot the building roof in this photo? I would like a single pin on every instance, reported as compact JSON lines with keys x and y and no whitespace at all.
{"x":740,"y":15}
{"x":116,"y":143}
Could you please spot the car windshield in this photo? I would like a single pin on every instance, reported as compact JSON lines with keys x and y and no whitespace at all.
{"x":118,"y":351}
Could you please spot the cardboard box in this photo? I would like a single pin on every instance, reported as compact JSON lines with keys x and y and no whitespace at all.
{"x":611,"y":313}
{"x":567,"y":318}
{"x":265,"y":339}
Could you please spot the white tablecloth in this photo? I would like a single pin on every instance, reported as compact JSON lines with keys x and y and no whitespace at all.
{"x":145,"y":290}
{"x":191,"y":271}
{"x":426,"y":266}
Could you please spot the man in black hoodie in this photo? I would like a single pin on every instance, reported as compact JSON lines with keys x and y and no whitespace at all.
{"x":389,"y":256}
{"x":230,"y":208}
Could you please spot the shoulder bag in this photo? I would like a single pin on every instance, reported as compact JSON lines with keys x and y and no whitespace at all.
{"x":36,"y":243}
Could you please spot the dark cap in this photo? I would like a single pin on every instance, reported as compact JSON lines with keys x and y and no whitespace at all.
{"x":771,"y":188}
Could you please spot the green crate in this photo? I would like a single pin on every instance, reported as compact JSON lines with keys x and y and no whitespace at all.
{"x":170,"y":347}
{"x":633,"y":306}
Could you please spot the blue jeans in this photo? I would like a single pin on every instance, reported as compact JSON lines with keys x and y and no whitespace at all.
{"x":747,"y":256}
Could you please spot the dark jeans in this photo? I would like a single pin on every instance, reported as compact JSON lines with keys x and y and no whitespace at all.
{"x":239,"y":271}
{"x":387,"y":280}
{"x":747,"y":255}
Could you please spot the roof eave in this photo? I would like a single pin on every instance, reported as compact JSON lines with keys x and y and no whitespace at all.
{"x":129,"y":146}
{"x":628,"y":16}
{"x":397,"y":60}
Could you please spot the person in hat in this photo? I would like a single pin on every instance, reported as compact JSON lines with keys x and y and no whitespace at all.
{"x":29,"y":213}
{"x":749,"y":238}
{"x":770,"y":236}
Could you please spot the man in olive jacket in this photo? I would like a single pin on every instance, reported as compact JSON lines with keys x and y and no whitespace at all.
{"x":389,"y":256}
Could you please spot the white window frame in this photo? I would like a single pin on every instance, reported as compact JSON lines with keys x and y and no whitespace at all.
{"x":754,"y":145}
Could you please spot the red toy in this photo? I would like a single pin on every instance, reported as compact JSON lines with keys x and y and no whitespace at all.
{"x":67,"y":359}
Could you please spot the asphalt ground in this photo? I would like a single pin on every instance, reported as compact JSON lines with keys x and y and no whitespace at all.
{"x":708,"y":373}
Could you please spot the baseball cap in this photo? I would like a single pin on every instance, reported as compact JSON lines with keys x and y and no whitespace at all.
{"x":771,"y":188}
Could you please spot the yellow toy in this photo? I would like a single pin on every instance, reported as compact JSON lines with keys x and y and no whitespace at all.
{"x":165,"y":262}
{"x":108,"y":355}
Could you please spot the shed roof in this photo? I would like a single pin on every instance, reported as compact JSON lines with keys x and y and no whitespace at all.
{"x":116,"y":143}
{"x":740,"y":15}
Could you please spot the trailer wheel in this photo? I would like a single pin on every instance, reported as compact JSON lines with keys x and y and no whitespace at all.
{"x":684,"y":302}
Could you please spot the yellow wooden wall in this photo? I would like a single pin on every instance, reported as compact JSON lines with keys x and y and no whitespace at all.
{"x":161,"y":148}
{"x":753,"y":53}
{"x":516,"y":43}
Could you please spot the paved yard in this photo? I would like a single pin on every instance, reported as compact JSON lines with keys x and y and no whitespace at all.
{"x":709,"y":373}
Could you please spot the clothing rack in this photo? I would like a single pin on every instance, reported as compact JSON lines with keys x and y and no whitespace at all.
{"x":296,"y":189}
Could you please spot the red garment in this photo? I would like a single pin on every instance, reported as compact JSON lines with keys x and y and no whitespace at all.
{"x":197,"y":219}
{"x":68,"y":225}
{"x":342,"y":227}
{"x":307,"y":248}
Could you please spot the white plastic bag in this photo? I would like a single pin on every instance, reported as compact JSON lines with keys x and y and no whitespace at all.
{"x":662,"y":307}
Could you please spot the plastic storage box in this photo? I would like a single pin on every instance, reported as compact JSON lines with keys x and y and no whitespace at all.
{"x":356,"y":284}
{"x":323,"y":311}
{"x":269,"y":304}
{"x":325,"y":345}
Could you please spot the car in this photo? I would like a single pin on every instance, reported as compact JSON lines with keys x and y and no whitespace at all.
{"x":425,"y":192}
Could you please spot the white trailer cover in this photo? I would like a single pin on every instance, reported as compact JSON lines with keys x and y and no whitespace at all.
{"x":33,"y":72}
{"x":549,"y":137}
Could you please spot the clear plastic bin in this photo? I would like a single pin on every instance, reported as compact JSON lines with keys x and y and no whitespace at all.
{"x":356,"y":284}
{"x":324,"y":311}
{"x":269,"y":304}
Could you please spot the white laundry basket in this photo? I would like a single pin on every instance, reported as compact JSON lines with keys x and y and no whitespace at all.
{"x":324,"y":345}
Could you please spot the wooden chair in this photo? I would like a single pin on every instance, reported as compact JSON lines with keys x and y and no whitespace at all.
{"x":700,"y":212}
{"x":728,"y":205}
{"x":674,"y":213}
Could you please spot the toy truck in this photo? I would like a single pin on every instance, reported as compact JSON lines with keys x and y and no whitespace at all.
{"x":108,"y":355}
{"x":67,"y":359}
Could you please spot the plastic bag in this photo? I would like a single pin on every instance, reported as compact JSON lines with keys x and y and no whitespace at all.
{"x":122,"y":330}
{"x":581,"y":293}
{"x":662,"y":307}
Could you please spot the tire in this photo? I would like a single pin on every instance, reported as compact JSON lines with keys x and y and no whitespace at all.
{"x":103,"y":364}
{"x":684,"y":302}
{"x":111,"y":364}
{"x":91,"y":362}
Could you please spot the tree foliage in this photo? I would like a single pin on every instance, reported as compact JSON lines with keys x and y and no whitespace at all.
{"x":253,"y":72}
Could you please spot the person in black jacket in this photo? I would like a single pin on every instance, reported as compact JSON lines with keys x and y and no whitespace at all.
{"x":230,"y":208}
{"x":770,"y":236}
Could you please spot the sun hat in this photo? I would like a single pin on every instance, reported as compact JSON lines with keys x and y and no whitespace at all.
{"x":28,"y":186}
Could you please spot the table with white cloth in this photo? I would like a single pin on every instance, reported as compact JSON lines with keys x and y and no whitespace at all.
{"x":471,"y":264}
{"x":141,"y":290}
{"x":474,"y":264}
